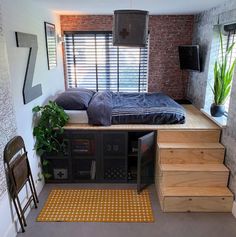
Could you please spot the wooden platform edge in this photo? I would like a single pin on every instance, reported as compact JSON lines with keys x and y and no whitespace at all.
{"x":195,"y":120}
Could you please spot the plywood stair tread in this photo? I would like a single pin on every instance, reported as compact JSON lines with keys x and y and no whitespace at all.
{"x":191,"y":174}
{"x":190,"y":146}
{"x":193,"y":167}
{"x":196,"y":192}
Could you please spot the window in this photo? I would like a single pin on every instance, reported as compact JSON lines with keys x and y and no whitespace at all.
{"x":229,"y":36}
{"x":228,"y":39}
{"x":94,"y":63}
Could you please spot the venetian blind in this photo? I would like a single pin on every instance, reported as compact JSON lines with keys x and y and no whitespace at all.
{"x":94,"y":63}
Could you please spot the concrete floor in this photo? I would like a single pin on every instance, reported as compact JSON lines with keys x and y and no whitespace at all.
{"x":166,"y":224}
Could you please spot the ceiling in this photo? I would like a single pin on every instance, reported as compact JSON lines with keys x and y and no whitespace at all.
{"x":155,"y":7}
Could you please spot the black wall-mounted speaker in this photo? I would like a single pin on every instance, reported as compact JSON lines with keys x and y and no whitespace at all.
{"x":130,"y":28}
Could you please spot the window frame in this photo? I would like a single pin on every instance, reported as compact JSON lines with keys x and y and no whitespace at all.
{"x":214,"y":55}
{"x":231,"y":32}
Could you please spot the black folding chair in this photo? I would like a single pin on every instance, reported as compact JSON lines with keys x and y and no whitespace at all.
{"x":18,"y":173}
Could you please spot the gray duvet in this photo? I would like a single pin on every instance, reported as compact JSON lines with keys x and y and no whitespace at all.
{"x":106,"y":108}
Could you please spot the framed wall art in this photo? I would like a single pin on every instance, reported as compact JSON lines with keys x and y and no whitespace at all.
{"x":51,"y":45}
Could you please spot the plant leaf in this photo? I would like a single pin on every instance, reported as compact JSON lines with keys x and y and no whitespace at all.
{"x":49,"y":127}
{"x":223,"y":74}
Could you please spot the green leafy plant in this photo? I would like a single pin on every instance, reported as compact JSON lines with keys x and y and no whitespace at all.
{"x":50,"y":125}
{"x":223,"y":74}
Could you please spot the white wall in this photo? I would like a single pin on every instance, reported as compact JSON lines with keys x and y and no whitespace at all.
{"x":7,"y":227}
{"x":7,"y":116}
{"x":7,"y":131}
{"x":28,"y":17}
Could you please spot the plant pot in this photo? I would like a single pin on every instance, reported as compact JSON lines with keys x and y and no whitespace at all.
{"x":217,"y":110}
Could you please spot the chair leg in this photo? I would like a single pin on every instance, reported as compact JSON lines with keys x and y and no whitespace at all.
{"x":33,"y":194}
{"x":32,"y":182}
{"x":19,"y":216}
{"x":21,"y":211}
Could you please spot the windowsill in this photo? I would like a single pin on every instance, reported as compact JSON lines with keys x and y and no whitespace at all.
{"x":220,"y":121}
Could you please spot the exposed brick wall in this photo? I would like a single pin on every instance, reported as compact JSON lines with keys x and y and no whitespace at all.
{"x":166,"y":34}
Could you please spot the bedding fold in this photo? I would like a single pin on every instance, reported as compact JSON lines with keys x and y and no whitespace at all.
{"x":100,"y":109}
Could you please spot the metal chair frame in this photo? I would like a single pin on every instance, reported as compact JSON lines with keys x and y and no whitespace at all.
{"x":18,"y":174}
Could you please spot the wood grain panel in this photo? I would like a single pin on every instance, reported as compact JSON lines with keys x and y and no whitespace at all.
{"x":196,"y":192}
{"x":193,"y":160}
{"x":191,"y":156}
{"x":194,"y":167}
{"x":194,"y":179}
{"x":188,"y":136}
{"x":197,"y":204}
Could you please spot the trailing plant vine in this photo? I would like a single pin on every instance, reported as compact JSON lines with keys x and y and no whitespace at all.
{"x":52,"y":119}
{"x":50,"y":125}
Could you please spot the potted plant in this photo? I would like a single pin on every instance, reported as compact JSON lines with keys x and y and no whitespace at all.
{"x":48,"y":129}
{"x":223,"y":77}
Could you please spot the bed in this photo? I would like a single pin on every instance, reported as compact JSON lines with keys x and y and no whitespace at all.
{"x":77,"y":116}
{"x":106,"y":108}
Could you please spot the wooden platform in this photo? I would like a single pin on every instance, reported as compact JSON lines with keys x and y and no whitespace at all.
{"x":194,"y":120}
{"x":190,"y":174}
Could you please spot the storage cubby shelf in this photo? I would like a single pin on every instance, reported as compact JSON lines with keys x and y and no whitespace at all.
{"x":104,"y":156}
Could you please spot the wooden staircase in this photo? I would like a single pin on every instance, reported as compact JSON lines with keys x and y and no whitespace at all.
{"x":190,"y":174}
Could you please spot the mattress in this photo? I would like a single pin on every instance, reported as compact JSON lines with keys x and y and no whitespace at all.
{"x":77,"y":116}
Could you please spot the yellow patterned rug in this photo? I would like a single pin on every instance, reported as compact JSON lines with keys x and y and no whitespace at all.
{"x":97,"y":205}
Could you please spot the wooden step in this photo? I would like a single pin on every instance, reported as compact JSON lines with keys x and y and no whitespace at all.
{"x":193,"y":175}
{"x":194,"y":167}
{"x":188,"y":136}
{"x":191,"y":153}
{"x":168,"y":145}
{"x":196,"y":199}
{"x":196,"y":192}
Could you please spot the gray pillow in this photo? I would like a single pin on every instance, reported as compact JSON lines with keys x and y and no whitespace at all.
{"x":76,"y":99}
